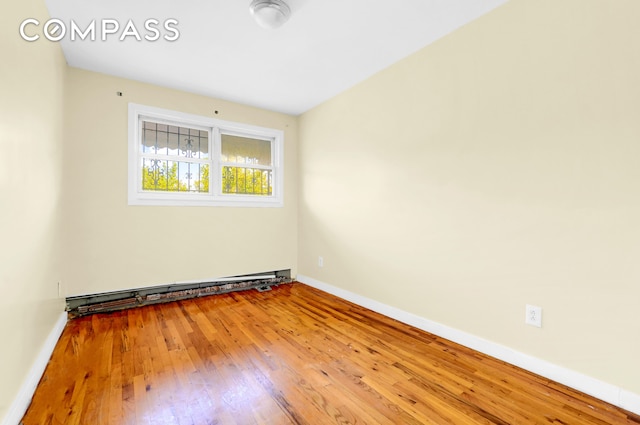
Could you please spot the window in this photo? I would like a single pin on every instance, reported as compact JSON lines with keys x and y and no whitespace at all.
{"x":182,"y":159}
{"x":246,"y":165}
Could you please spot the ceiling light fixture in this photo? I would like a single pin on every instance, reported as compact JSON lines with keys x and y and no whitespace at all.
{"x":270,"y":14}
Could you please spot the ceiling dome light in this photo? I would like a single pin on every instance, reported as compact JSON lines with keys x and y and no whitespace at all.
{"x":270,"y":14}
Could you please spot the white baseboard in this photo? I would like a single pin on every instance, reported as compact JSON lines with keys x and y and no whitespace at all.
{"x":586,"y":384}
{"x":23,"y":399}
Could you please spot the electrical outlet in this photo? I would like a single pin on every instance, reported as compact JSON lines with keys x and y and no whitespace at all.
{"x":533,"y":315}
{"x":320,"y":262}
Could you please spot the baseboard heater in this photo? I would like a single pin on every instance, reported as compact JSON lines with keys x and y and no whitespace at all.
{"x":119,"y":300}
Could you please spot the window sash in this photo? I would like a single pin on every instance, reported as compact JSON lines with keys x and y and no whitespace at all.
{"x":249,"y":185}
{"x":166,"y":175}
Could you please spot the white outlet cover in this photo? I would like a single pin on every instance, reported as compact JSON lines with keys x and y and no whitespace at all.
{"x":533,"y":315}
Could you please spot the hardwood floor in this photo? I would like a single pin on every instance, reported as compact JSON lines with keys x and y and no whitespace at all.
{"x":294,"y":355}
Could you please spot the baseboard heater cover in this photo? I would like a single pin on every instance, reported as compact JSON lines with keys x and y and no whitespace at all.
{"x":119,"y":300}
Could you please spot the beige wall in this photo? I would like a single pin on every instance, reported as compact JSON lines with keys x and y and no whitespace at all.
{"x":110,"y":245}
{"x":31,"y":82}
{"x":494,"y":168}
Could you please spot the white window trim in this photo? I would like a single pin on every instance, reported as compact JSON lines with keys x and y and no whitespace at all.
{"x":215,"y":198}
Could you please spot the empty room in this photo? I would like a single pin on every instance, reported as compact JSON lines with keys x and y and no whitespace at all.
{"x":317,"y":212}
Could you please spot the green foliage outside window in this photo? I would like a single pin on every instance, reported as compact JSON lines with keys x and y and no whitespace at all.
{"x":247,"y":181}
{"x":161,"y":176}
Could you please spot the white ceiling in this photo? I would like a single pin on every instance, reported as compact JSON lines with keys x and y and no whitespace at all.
{"x":326,"y":47}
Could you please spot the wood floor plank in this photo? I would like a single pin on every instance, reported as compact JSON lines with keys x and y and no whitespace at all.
{"x":292,"y":355}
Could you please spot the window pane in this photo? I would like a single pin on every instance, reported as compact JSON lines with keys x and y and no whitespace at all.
{"x":193,"y":177}
{"x":149,"y":139}
{"x":165,"y":139}
{"x":247,"y":181}
{"x":245,"y":150}
{"x":174,"y":176}
{"x":161,"y":142}
{"x":173,"y":143}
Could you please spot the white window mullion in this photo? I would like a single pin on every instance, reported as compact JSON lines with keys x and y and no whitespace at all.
{"x":243,"y":165}
{"x":173,"y":158}
{"x":276,"y":151}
